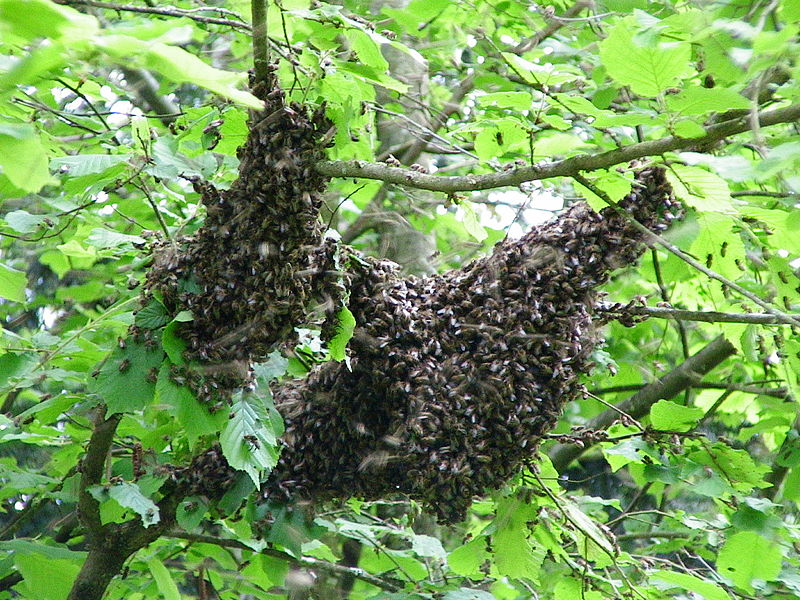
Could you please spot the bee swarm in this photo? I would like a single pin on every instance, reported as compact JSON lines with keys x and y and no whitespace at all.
{"x":455,"y":377}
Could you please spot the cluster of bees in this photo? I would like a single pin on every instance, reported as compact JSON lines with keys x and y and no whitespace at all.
{"x":259,"y":261}
{"x":452,"y":378}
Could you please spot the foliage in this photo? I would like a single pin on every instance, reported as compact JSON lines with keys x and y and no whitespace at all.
{"x":110,"y":120}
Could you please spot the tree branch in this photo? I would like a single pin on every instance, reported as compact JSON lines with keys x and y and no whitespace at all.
{"x":92,"y":471}
{"x":568,"y":167}
{"x":310,"y":563}
{"x":638,"y":405}
{"x":779,"y":392}
{"x":653,"y":237}
{"x":260,"y":41}
{"x":154,"y":10}
{"x":663,"y":312}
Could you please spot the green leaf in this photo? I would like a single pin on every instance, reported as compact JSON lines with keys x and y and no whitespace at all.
{"x":588,"y":527}
{"x":468,"y":594}
{"x":174,"y":345}
{"x":52,"y":20}
{"x":126,"y":381}
{"x":78,"y":165}
{"x":22,"y":157}
{"x":700,"y":188}
{"x":164,"y":582}
{"x":701,"y":101}
{"x":367,"y":50}
{"x":648,"y":69}
{"x":45,"y":579}
{"x":471,"y":222}
{"x":22,"y":221}
{"x":74,"y":249}
{"x":106,"y":238}
{"x":179,"y":66}
{"x":425,"y":545}
{"x":466,"y":560}
{"x":690,"y":583}
{"x":346,"y":324}
{"x":194,"y":418}
{"x":515,"y":554}
{"x":666,"y":415}
{"x":12,"y":284}
{"x":248,"y":442}
{"x":152,"y":316}
{"x":190,"y":512}
{"x":747,"y":556}
{"x":130,"y":496}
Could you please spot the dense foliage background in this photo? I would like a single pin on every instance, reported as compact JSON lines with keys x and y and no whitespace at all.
{"x":689,"y":489}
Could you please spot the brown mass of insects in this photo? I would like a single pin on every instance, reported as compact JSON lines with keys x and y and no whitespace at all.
{"x":453,"y":379}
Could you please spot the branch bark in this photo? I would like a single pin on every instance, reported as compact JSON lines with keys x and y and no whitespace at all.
{"x":711,"y":316}
{"x":154,"y":10}
{"x":568,"y":167}
{"x":638,"y":405}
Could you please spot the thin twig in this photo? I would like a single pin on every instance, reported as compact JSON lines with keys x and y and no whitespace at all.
{"x":168,"y":11}
{"x":311,"y":563}
{"x":782,"y":316}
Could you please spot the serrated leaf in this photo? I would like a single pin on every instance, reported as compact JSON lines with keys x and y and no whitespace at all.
{"x":466,"y":560}
{"x":666,"y":415}
{"x":74,"y":249}
{"x":700,"y":101}
{"x":129,"y":495}
{"x":346,"y":324}
{"x":647,"y":69}
{"x":190,"y":512}
{"x":124,"y":382}
{"x":152,"y":316}
{"x":248,"y":442}
{"x":747,"y":556}
{"x":701,"y":189}
{"x":87,"y":164}
{"x":12,"y":284}
{"x":195,"y":419}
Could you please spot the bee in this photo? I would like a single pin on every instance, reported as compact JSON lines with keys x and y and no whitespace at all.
{"x":124,"y":365}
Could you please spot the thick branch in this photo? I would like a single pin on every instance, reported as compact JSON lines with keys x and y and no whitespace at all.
{"x":310,"y":563}
{"x":562,"y":168}
{"x":260,"y":42}
{"x":638,"y":405}
{"x":92,"y":471}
